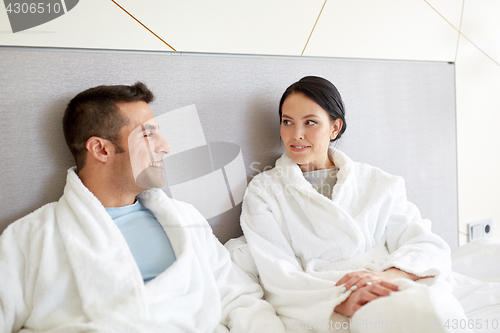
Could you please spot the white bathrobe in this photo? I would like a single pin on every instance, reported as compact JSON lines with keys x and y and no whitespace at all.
{"x":67,"y":268}
{"x":303,"y":242}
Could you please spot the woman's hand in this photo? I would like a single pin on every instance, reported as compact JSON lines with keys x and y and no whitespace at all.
{"x":367,"y":286}
{"x":363,"y":295}
{"x":355,"y":280}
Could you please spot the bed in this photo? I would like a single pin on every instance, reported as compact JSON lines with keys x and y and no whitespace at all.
{"x":217,"y":110}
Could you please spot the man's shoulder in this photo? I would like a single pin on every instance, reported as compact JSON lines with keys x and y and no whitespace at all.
{"x":34,"y":222}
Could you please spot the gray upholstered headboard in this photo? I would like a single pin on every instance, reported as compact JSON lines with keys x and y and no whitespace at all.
{"x":400,"y":117}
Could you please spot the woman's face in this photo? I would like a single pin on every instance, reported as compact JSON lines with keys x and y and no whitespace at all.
{"x":306,"y":131}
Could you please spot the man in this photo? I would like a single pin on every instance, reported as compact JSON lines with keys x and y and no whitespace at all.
{"x":115,"y":254}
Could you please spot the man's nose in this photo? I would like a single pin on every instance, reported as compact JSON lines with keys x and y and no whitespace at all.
{"x":162,"y":146}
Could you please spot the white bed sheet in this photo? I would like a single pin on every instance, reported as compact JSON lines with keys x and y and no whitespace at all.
{"x":475,"y":279}
{"x":476,"y":283}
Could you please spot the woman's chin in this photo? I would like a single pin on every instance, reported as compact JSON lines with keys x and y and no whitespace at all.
{"x":302,"y":163}
{"x":298,"y":158}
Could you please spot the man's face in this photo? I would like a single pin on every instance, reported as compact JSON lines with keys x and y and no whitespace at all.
{"x":145,"y":146}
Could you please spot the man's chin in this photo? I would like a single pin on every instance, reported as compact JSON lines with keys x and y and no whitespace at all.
{"x":150,"y":178}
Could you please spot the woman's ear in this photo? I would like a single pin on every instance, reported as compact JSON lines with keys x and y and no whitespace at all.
{"x":336,"y":127}
{"x":98,"y":148}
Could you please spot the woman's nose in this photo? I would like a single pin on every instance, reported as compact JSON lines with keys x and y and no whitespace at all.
{"x":298,"y":133}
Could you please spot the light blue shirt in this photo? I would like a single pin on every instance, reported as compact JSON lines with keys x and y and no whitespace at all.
{"x":145,"y":237}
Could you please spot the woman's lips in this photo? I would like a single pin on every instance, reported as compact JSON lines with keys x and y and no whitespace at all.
{"x":299,"y":148}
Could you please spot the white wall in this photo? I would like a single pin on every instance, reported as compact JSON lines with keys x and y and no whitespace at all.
{"x":379,"y":29}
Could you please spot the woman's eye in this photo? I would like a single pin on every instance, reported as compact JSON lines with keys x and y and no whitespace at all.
{"x":310,"y":122}
{"x":286,"y":122}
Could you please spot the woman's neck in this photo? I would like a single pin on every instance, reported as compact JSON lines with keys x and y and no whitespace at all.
{"x":327,"y":164}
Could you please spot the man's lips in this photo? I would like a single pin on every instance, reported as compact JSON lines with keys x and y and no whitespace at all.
{"x":156,"y":165}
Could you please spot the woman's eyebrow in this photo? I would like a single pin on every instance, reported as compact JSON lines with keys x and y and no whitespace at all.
{"x":306,"y":116}
{"x":311,"y":115}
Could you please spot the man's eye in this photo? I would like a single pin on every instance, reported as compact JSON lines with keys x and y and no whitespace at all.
{"x":148,"y":135}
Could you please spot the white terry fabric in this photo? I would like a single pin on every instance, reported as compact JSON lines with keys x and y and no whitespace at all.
{"x":241,"y":256}
{"x":421,"y":306}
{"x":67,"y":268}
{"x":303,"y":242}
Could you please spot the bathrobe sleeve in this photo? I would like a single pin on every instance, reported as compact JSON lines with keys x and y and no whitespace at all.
{"x":13,"y":265}
{"x":412,"y":246}
{"x":297,"y":296}
{"x":243,"y":309}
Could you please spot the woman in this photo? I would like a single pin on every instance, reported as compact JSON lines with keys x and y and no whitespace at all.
{"x":332,"y":238}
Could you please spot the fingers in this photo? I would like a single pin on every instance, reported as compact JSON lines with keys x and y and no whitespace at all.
{"x":354,"y":276}
{"x":364,"y":295}
{"x":389,"y":285}
{"x":380,"y":287}
{"x":344,"y":279}
{"x":381,"y":290}
{"x":366,"y":281}
{"x":355,"y":280}
{"x":359,"y":298}
{"x":354,"y":302}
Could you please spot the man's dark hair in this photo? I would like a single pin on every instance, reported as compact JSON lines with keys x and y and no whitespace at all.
{"x":94,"y":112}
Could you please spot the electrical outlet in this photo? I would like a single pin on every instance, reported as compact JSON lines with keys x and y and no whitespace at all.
{"x":480,"y":229}
{"x":487,"y":228}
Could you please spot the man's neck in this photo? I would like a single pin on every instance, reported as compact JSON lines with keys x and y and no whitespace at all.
{"x":109,"y":193}
{"x":114,"y":200}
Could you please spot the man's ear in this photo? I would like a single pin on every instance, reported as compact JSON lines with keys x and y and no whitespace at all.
{"x":98,"y":148}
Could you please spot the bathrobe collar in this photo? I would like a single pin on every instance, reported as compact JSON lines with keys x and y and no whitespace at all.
{"x":289,"y":169}
{"x":95,"y":244}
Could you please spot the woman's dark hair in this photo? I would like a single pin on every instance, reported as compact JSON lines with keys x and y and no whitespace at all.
{"x":324,"y":93}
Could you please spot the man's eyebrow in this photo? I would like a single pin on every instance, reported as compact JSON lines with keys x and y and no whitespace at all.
{"x":150,"y":127}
